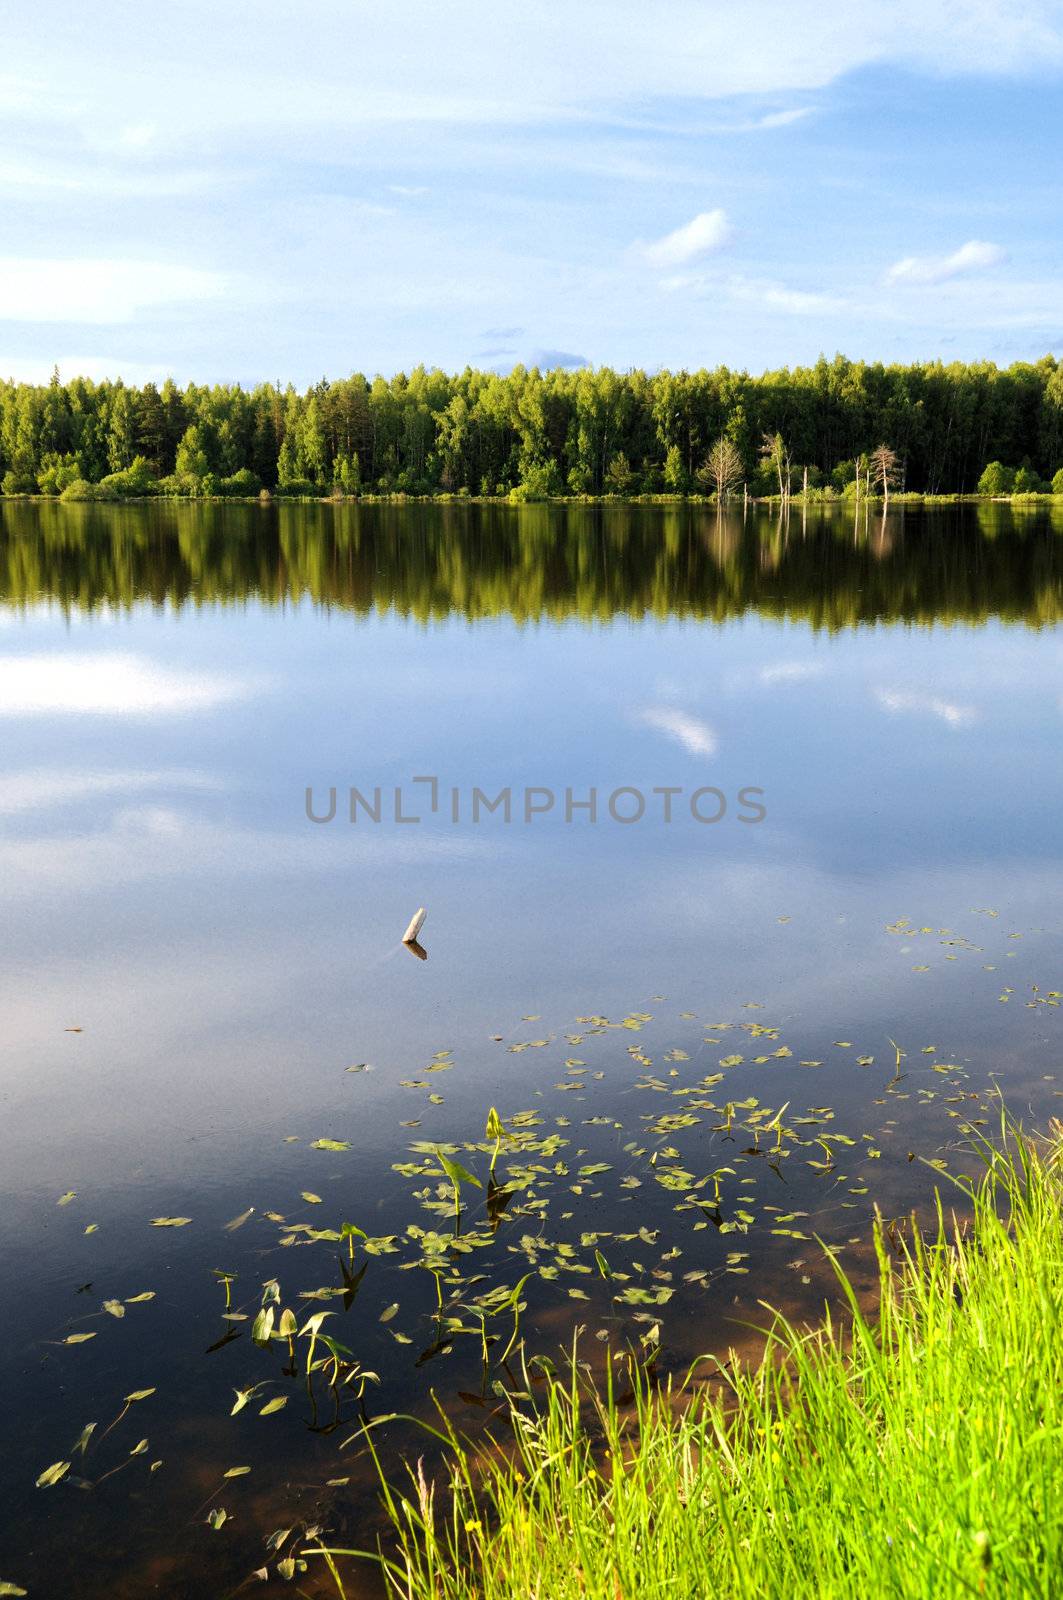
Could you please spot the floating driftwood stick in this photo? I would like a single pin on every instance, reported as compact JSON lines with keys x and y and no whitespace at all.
{"x":416,"y":924}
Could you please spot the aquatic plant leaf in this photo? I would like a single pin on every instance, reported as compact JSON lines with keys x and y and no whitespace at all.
{"x":138,"y":1394}
{"x":236,"y":1472}
{"x":170,"y":1222}
{"x":83,"y":1438}
{"x":313,"y":1324}
{"x":495,"y":1127}
{"x":65,"y":1199}
{"x":11,"y":1589}
{"x":262,"y":1327}
{"x":456,"y":1172}
{"x":331,"y":1144}
{"x":139,"y":1299}
{"x":114,"y":1307}
{"x":217,"y":1518}
{"x":276,"y":1404}
{"x":311,"y":1198}
{"x":51,"y":1475}
{"x":78,"y":1338}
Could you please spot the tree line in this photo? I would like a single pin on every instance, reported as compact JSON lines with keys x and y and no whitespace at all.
{"x":532,"y":435}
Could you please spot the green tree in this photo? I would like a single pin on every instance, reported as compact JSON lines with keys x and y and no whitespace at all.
{"x":57,"y":471}
{"x":192,"y":463}
{"x":618,"y":475}
{"x":676,"y":480}
{"x":996,"y":479}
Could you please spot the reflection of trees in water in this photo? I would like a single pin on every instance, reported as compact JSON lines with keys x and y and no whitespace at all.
{"x":828,"y":567}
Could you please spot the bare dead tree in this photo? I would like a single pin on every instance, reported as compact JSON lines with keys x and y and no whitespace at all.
{"x":884,"y":470}
{"x":722,"y":467}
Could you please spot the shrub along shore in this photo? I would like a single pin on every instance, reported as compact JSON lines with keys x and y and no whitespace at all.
{"x":917,"y":1451}
{"x":79,"y":492}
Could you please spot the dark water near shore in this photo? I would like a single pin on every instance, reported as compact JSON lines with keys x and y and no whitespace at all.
{"x":689,"y":1027}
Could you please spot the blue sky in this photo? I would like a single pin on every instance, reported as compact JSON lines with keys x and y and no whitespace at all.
{"x":229,"y":191}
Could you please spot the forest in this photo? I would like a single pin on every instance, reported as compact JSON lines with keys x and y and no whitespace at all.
{"x":536,"y":435}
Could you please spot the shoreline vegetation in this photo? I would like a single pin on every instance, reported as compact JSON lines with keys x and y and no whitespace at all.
{"x":912,"y":1451}
{"x":838,"y":431}
{"x":101,"y":493}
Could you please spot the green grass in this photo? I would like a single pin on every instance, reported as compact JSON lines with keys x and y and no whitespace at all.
{"x":915,"y":1451}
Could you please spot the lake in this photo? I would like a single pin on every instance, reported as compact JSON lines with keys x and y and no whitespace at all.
{"x":739,"y":842}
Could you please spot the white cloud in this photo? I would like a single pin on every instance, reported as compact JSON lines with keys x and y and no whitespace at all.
{"x":777,"y":297}
{"x":75,"y":177}
{"x":947,"y":711}
{"x":49,"y":787}
{"x":27,"y":369}
{"x":783,"y":119}
{"x":703,"y":234}
{"x":791,"y":672}
{"x":109,"y":683}
{"x":73,"y":290}
{"x":158,"y":841}
{"x":601,"y":53}
{"x":977,"y":255}
{"x":694,"y":735}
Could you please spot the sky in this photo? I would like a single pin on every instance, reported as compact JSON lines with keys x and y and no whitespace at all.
{"x":235,"y":192}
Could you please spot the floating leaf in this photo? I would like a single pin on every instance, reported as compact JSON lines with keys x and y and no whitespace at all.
{"x":386,"y":1316}
{"x":170,"y":1222}
{"x":330,"y":1144}
{"x":65,"y":1199}
{"x":311,"y":1198}
{"x":217,"y":1518}
{"x":51,"y":1475}
{"x":271,"y":1406}
{"x":78,"y":1338}
{"x":114,"y":1307}
{"x":138,"y":1394}
{"x":236,"y":1472}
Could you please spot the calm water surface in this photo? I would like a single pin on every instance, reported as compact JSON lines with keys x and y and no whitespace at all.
{"x":172,"y":680}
